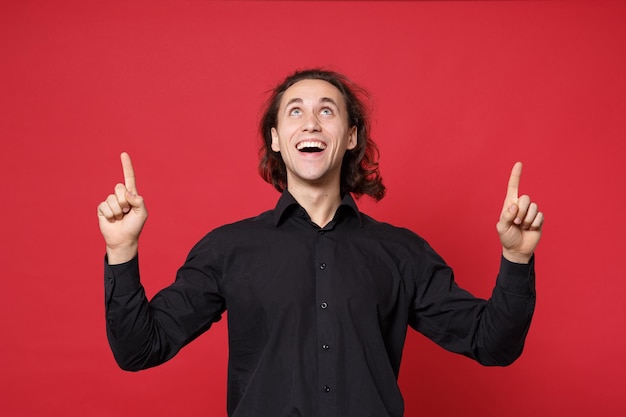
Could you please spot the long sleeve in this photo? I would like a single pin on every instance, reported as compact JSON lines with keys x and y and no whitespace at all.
{"x":491,"y":331}
{"x":145,"y":333}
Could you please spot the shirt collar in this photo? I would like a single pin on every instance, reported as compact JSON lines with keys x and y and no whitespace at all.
{"x":287,"y":201}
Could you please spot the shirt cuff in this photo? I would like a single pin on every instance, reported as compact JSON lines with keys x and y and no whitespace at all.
{"x":121,"y":279}
{"x":517,"y":278}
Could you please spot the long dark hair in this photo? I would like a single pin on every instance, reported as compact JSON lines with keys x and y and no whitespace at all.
{"x":359,"y":170}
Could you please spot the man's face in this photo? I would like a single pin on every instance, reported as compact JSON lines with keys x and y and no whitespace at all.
{"x":312,"y":133}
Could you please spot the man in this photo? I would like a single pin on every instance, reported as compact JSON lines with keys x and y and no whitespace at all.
{"x":319,"y":295}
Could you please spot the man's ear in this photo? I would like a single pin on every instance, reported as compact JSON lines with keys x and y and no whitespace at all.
{"x":352,"y":138}
{"x":275,"y":144}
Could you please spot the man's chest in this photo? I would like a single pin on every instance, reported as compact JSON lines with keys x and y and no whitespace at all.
{"x":288,"y":273}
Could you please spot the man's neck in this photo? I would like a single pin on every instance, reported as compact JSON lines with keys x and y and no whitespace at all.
{"x":320,"y":203}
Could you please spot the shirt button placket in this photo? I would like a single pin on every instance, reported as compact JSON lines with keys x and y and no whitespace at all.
{"x":325,"y":253}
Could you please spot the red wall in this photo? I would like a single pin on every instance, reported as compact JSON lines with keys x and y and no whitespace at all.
{"x":461,"y":91}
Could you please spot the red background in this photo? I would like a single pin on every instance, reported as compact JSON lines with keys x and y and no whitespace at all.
{"x":461,"y":91}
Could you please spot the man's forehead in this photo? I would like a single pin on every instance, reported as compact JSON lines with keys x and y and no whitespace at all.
{"x":312,"y":89}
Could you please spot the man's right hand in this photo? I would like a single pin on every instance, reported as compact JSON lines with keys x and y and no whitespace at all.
{"x":122,"y":216}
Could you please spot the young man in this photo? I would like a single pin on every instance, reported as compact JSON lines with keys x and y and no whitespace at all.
{"x":319,"y":295}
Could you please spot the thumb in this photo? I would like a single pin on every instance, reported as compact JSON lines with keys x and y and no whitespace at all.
{"x":136,"y":201}
{"x":507,"y":218}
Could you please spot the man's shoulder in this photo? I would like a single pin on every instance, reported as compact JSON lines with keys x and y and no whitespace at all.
{"x":260,"y":221}
{"x":231,"y":234}
{"x":388,"y":231}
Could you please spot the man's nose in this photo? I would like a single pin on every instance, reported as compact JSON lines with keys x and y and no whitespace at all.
{"x":311,"y":123}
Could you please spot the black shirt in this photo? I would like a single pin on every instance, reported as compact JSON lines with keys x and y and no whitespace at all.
{"x":317,"y":317}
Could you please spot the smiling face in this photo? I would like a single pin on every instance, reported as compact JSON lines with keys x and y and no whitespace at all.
{"x":312,"y":133}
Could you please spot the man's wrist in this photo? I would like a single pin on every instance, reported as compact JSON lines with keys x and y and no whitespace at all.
{"x":121,"y":254}
{"x":515,"y":257}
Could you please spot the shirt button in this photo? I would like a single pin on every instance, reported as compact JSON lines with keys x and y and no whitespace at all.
{"x":326,"y":388}
{"x":324,"y":305}
{"x":325,"y":346}
{"x":322,"y":265}
{"x":320,"y":232}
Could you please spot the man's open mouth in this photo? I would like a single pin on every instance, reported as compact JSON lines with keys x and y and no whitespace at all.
{"x":311,"y":146}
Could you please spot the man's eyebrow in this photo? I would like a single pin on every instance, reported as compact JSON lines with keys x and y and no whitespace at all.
{"x":293,"y":100}
{"x":328,"y":100}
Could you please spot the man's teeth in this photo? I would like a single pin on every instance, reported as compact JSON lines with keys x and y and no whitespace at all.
{"x":311,"y":145}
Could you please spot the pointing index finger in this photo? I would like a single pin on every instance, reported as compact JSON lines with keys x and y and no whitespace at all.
{"x":129,"y":173}
{"x":512,"y":192}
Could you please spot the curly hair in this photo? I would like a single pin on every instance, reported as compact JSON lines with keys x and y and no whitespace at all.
{"x":359,"y":169}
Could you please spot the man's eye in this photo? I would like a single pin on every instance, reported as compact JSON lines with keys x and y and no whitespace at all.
{"x":326,"y":111}
{"x":295,"y":112}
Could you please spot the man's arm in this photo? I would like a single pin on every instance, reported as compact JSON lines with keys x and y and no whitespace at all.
{"x":504,"y":323}
{"x":121,"y":217}
{"x":490,"y":331}
{"x":145,"y":333}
